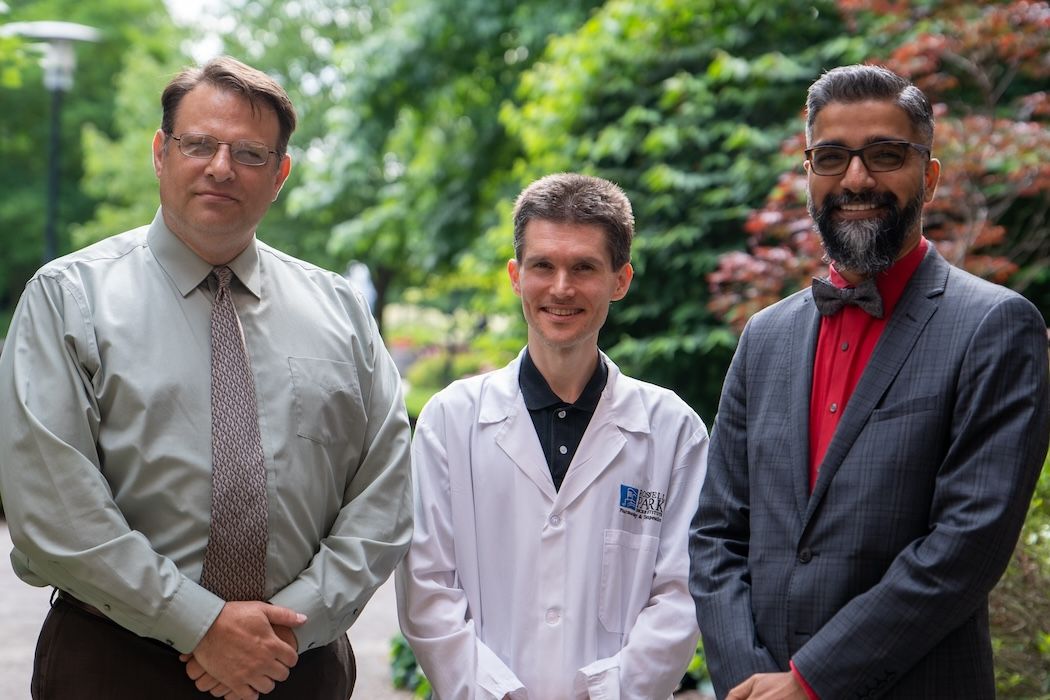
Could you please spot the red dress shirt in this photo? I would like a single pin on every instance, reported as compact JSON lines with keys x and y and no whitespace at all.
{"x":845,"y":344}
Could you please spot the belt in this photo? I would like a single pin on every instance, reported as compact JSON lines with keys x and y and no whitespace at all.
{"x":81,"y":605}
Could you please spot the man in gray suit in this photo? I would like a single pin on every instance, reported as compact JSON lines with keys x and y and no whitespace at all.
{"x":877,"y":441}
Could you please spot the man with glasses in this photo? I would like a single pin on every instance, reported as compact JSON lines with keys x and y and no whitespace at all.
{"x":877,"y":441}
{"x":204,"y":444}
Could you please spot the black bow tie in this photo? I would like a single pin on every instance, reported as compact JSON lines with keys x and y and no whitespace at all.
{"x":830,"y":299}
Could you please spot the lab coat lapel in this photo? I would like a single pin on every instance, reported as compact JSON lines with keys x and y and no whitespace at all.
{"x":619,"y":410}
{"x":517,"y":435}
{"x":911,"y":315}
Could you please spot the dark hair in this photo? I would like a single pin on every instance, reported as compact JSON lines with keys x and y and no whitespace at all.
{"x":577,"y":199}
{"x":858,"y":83}
{"x":229,"y":74}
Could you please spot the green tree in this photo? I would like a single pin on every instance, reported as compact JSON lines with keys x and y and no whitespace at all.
{"x":684,"y":103}
{"x":24,"y":127}
{"x":402,"y":158}
{"x":118,"y":171}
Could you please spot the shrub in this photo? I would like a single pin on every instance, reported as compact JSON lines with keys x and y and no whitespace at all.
{"x":1020,"y":606}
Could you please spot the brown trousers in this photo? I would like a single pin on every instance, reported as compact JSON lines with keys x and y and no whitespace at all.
{"x":82,"y":655}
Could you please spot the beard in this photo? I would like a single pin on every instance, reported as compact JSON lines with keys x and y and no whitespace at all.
{"x":866,"y":246}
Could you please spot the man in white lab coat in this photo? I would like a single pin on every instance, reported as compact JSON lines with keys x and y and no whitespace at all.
{"x":553,"y":496}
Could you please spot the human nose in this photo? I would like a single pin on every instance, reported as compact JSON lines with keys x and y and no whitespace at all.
{"x":563,"y":283}
{"x":220,"y":165}
{"x":857,"y":176}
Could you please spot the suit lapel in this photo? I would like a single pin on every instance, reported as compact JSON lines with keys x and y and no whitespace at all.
{"x":802,"y":347}
{"x":910,"y":317}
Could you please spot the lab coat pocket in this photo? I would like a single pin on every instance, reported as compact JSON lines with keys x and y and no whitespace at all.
{"x":628,"y":561}
{"x":328,"y":405}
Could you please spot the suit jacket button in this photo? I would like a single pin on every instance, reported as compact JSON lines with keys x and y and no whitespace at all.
{"x":805,"y":555}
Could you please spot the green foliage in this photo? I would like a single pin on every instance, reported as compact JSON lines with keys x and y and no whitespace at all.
{"x":15,"y":57}
{"x":1020,"y":608}
{"x":444,"y":347}
{"x":983,"y":66}
{"x":118,"y":171}
{"x":404,"y":670}
{"x":684,"y":103}
{"x":402,"y":153}
{"x":25,"y":125}
{"x":697,"y":676}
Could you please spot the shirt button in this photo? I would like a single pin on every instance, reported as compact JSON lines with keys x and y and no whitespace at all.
{"x":553,"y":615}
{"x":845,"y":347}
{"x":563,"y":449}
{"x":561,"y":414}
{"x":833,"y":408}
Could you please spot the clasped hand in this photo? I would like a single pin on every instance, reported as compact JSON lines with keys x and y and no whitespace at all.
{"x":248,"y":650}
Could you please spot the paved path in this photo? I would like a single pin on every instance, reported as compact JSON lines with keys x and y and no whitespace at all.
{"x":22,"y":611}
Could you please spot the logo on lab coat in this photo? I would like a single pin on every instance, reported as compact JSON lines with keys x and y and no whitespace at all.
{"x":647,"y":505}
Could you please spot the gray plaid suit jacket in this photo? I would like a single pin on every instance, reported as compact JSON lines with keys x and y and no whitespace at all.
{"x":876,"y":584}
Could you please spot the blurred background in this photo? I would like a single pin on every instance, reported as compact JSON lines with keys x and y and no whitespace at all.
{"x":421,"y":120}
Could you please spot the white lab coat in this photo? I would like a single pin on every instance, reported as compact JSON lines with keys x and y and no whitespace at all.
{"x":511,"y":587}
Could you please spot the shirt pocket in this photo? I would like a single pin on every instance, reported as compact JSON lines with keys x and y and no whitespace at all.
{"x":328,"y":404}
{"x":628,"y":561}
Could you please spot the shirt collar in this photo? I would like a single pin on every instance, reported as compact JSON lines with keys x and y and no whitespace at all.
{"x":537,"y":393}
{"x":187,"y":270}
{"x":891,"y":282}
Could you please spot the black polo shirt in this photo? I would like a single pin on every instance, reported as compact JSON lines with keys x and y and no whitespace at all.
{"x":559,"y":425}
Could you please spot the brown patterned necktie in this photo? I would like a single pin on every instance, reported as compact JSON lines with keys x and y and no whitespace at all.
{"x":235,"y":559}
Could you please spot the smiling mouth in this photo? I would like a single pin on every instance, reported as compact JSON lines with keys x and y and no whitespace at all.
{"x":859,"y":206}
{"x":561,"y":312}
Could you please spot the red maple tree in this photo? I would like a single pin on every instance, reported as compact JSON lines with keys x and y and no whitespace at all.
{"x":985,"y":68}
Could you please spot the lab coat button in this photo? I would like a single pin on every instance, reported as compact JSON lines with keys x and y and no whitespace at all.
{"x":555,"y":521}
{"x":553,"y":616}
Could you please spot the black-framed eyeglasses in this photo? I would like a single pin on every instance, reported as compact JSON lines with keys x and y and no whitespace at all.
{"x":878,"y":157}
{"x":250,"y":153}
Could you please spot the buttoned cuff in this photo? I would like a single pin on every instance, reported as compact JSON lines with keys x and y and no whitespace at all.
{"x":323,"y":624}
{"x":599,"y":679}
{"x":495,"y":679}
{"x":188,"y":617}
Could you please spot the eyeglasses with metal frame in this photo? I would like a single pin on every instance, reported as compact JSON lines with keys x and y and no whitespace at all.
{"x":250,"y":153}
{"x":878,"y":157}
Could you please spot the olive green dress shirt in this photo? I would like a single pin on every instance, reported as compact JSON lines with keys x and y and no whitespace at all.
{"x":105,"y":435}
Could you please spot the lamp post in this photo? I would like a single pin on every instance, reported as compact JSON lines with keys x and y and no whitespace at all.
{"x":59,"y":62}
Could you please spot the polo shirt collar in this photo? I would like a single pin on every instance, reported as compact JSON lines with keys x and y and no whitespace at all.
{"x":537,"y":394}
